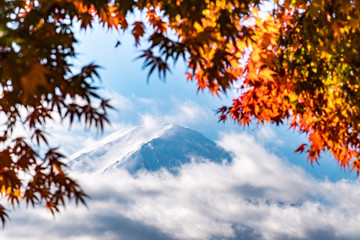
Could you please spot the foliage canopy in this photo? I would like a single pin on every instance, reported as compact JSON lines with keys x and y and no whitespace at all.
{"x":298,"y":63}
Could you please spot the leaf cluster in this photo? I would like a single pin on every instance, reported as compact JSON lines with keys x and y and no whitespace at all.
{"x":38,"y":85}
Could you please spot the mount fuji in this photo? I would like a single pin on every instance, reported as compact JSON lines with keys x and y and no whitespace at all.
{"x":148,"y":149}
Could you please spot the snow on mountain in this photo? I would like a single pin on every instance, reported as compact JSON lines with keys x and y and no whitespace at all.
{"x":150,"y":149}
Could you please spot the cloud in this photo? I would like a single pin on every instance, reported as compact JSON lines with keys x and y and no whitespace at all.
{"x":266,"y":134}
{"x":258,"y":196}
{"x":118,"y":101}
{"x":183,"y":113}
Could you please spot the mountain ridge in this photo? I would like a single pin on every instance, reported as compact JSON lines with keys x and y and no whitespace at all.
{"x":150,"y":149}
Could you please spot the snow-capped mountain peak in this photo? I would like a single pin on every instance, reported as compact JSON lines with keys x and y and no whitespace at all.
{"x":148,"y":148}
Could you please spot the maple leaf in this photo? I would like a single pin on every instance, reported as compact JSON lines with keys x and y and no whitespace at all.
{"x":301,"y":148}
{"x":86,"y":20}
{"x":35,"y":78}
{"x":138,"y":31}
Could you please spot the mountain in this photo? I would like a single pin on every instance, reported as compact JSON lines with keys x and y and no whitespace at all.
{"x":150,"y":149}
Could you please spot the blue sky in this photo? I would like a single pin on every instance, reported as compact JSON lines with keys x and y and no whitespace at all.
{"x":268,"y":193}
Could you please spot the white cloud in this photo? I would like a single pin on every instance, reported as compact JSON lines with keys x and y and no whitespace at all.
{"x":266,"y":134}
{"x":118,"y":101}
{"x":183,"y":113}
{"x":259,"y":196}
